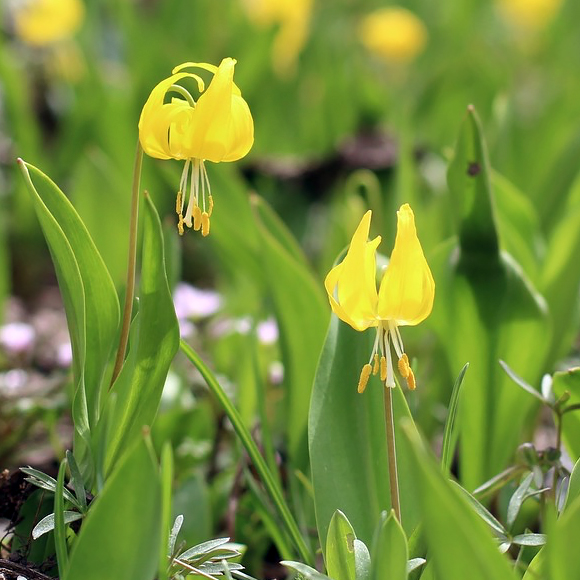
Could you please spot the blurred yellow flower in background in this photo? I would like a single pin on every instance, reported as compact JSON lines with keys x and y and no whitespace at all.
{"x":218,"y":127}
{"x":43,"y":22}
{"x":292,"y":18}
{"x":393,"y":33}
{"x":529,"y":14}
{"x":405,"y":296}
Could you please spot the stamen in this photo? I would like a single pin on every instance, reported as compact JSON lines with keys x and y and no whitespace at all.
{"x":210,"y":199}
{"x":179,"y":202}
{"x":364,"y":378}
{"x":404,"y":367}
{"x":196,"y":218}
{"x":204,"y":224}
{"x":411,"y":380}
{"x":390,"y":378}
{"x":383,"y":369}
{"x":180,"y":225}
{"x":376,"y":363}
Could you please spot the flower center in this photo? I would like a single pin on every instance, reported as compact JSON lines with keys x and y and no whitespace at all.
{"x":382,"y":364}
{"x":194,"y":181}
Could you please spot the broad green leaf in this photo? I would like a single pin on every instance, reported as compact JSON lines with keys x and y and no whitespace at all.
{"x":569,"y":381}
{"x":486,"y":310}
{"x":154,"y":340}
{"x":302,"y":312}
{"x":88,"y":293}
{"x":459,"y":543}
{"x":347,"y":440}
{"x":119,"y":538}
{"x":340,"y":552}
{"x":390,"y":553}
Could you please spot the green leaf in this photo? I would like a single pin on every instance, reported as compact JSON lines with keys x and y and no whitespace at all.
{"x":88,"y":293}
{"x":44,"y":481}
{"x":569,"y":381}
{"x":486,"y":309}
{"x":46,"y":524}
{"x":119,"y":538}
{"x":362,"y":561}
{"x":470,"y":187}
{"x":167,"y":538}
{"x":390,"y":553}
{"x":573,"y":485}
{"x":450,"y":433}
{"x":449,"y":520}
{"x":529,"y":539}
{"x":517,"y":499}
{"x":77,"y":481}
{"x":307,"y":571}
{"x":562,"y":547}
{"x":302,"y":313}
{"x":59,"y":524}
{"x":339,"y":555}
{"x":154,"y":340}
{"x":348,"y":442}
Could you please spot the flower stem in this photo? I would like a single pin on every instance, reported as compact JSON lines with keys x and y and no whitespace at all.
{"x":131,"y":264}
{"x":391,"y":453}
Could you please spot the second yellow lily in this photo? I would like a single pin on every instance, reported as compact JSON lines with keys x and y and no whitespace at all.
{"x":404,"y":298}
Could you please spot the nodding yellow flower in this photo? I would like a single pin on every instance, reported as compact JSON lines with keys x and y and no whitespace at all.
{"x":43,"y":22}
{"x":217,"y":127}
{"x":393,"y":33}
{"x":529,"y":14}
{"x":292,"y":17}
{"x":404,"y":298}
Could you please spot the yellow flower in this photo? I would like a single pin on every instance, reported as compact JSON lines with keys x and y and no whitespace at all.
{"x":218,"y":127}
{"x":404,"y":298}
{"x":529,"y":14}
{"x":292,"y":17}
{"x":393,"y":33}
{"x":42,"y":22}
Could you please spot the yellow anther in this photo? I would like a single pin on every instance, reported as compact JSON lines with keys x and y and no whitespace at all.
{"x":179,"y":202}
{"x":364,"y":377}
{"x":411,"y":380}
{"x":210,"y":201}
{"x":404,"y":367}
{"x":196,"y":218}
{"x":376,"y":364}
{"x":204,"y":224}
{"x":383,"y":369}
{"x":180,"y":225}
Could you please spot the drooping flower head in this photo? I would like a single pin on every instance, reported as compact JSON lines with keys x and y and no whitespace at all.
{"x":529,"y":15}
{"x":217,"y":127}
{"x":404,"y":297}
{"x":393,"y":33}
{"x":43,"y":22}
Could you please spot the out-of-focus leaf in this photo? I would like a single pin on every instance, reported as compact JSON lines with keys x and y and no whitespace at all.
{"x":302,"y":313}
{"x":153,"y":342}
{"x":390,"y":553}
{"x":573,"y":485}
{"x":120,"y":536}
{"x":449,"y":520}
{"x":569,"y":381}
{"x":347,"y":440}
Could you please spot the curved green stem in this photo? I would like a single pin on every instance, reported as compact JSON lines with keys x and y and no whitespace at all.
{"x":392,"y":452}
{"x":131,"y":265}
{"x":258,"y":461}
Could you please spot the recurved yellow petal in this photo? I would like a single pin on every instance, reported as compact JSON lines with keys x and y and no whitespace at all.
{"x":354,"y":280}
{"x":222,"y":126}
{"x":407,"y":289}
